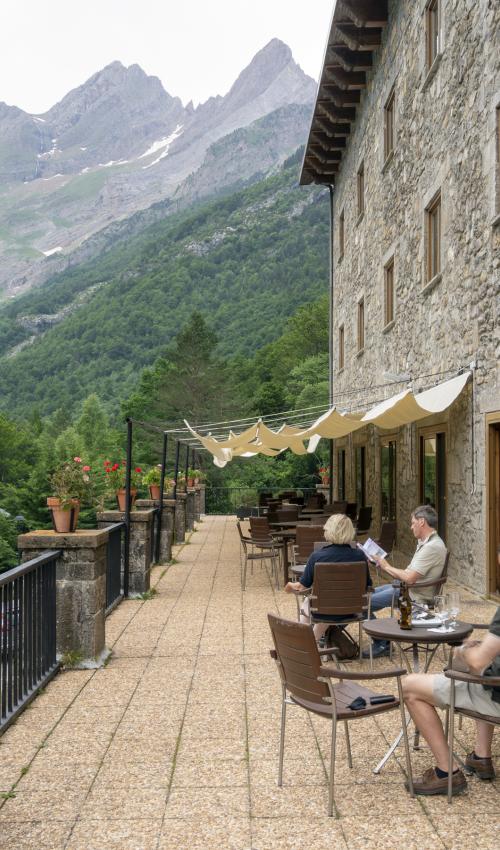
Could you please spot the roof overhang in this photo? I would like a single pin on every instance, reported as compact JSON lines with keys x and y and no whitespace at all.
{"x":355,"y":34}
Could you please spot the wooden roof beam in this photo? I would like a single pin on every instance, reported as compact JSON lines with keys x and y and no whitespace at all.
{"x":339,"y":97}
{"x":349,"y":60}
{"x":347,"y":80}
{"x":365,"y":13}
{"x":334,"y":128}
{"x":325,"y":158}
{"x":357,"y":38}
{"x":334,"y":142}
{"x":342,"y":114}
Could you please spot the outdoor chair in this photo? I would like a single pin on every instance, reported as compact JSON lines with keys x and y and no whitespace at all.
{"x":472,"y":679}
{"x":387,"y":537}
{"x":364,"y":520}
{"x":338,"y":590}
{"x":304,"y":546}
{"x":288,"y":514}
{"x":432,"y":582}
{"x":352,"y":510}
{"x":314,"y":502}
{"x":256,"y":550}
{"x":335,"y":508}
{"x":307,"y":683}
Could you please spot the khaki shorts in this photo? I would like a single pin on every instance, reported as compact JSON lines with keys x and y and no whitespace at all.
{"x":473,"y":697}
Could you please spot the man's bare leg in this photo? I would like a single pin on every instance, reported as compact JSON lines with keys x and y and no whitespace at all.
{"x":419,"y":699}
{"x":484,"y":738}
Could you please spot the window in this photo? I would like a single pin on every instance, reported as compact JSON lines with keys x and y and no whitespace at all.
{"x":389,"y":126}
{"x":360,"y":476}
{"x":433,"y":474}
{"x":389,"y":292}
{"x":388,"y":479}
{"x":341,"y":235}
{"x":341,"y":475}
{"x":433,"y":227}
{"x":361,"y":324}
{"x":341,"y":347}
{"x":432,"y":24}
{"x":361,"y":189}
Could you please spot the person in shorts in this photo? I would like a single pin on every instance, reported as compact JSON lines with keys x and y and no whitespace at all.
{"x":423,"y":692}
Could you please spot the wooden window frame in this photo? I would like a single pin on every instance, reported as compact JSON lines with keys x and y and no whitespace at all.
{"x":360,"y":184}
{"x":341,"y":234}
{"x":361,"y":325}
{"x":432,"y":32}
{"x":389,"y":125}
{"x":341,"y":347}
{"x":389,"y":311}
{"x":433,"y":215}
{"x":426,"y":433}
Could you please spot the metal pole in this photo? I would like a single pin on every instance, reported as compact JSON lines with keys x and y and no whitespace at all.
{"x":187,"y":467}
{"x":330,"y":317}
{"x":176,"y":473}
{"x":128,"y":473}
{"x":331,"y":471}
{"x":162,"y":491}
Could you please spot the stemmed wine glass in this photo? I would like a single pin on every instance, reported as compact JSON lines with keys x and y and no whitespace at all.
{"x":442,"y":612}
{"x":453,"y":606}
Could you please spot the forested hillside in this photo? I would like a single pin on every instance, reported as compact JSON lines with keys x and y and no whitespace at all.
{"x":246,"y":262}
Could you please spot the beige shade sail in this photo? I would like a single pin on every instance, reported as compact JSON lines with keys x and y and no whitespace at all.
{"x":408,"y":407}
{"x":400,"y":409}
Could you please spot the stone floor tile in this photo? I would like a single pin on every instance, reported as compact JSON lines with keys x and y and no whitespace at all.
{"x":292,"y":833}
{"x":219,"y":833}
{"x":144,"y":774}
{"x":465,"y":830}
{"x":216,"y":773}
{"x":368,"y":832}
{"x":90,"y":834}
{"x":207,"y":802}
{"x":124,"y":802}
{"x":34,"y":835}
{"x":49,"y":804}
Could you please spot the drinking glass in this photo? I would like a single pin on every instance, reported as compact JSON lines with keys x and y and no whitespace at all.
{"x":453,"y":606}
{"x":442,"y":612}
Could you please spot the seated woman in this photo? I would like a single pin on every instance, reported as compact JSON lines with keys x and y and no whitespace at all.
{"x":339,"y":534}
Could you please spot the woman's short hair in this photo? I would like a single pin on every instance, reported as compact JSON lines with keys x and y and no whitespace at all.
{"x":338,"y":529}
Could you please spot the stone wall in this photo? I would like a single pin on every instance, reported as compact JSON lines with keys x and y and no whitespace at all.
{"x":444,"y":140}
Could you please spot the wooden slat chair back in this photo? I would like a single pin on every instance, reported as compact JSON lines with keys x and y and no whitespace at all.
{"x":387,"y":537}
{"x":260,"y":528}
{"x":352,"y":510}
{"x":335,"y":508}
{"x":314,"y":502}
{"x":304,"y":542}
{"x":339,"y":589}
{"x":288,"y":514}
{"x":307,"y":682}
{"x":258,"y":546}
{"x":364,"y":520}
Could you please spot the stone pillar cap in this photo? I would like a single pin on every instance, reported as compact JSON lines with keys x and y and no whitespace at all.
{"x":119,"y":516}
{"x":85,"y":538}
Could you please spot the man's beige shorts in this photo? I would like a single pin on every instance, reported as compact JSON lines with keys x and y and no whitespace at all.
{"x":473,"y":697}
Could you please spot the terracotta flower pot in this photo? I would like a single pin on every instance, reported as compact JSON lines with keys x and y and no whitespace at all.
{"x":64,"y":520}
{"x":154,"y":491}
{"x":121,"y":498}
{"x":190,"y":482}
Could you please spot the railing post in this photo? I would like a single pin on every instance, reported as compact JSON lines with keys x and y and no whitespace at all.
{"x":126,"y":548}
{"x":162,"y":495}
{"x":80,"y":589}
{"x":141,"y":528}
{"x":176,"y":472}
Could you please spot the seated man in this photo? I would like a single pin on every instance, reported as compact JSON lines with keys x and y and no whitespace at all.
{"x":423,"y":691}
{"x":339,"y":534}
{"x":427,"y":563}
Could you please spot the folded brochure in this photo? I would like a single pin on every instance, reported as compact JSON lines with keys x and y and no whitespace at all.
{"x":371,"y":549}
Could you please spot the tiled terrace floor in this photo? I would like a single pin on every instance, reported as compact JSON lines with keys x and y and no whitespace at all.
{"x":174,"y":744}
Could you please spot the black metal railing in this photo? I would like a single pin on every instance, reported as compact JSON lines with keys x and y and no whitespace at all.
{"x":114,"y":565}
{"x":27,"y":633}
{"x":154,"y":532}
{"x":226,"y":500}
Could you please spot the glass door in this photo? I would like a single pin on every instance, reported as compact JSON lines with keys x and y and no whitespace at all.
{"x":388,"y":479}
{"x":433,"y":475}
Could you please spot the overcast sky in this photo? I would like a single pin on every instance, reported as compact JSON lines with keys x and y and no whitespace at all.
{"x":196,"y":47}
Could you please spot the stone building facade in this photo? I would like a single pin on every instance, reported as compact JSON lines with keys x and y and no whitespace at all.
{"x":416,"y":258}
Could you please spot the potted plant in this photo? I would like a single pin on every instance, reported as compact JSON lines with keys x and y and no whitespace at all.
{"x":71,"y":486}
{"x":152,"y":479}
{"x":324,"y":474}
{"x":115,"y":474}
{"x":192,"y":476}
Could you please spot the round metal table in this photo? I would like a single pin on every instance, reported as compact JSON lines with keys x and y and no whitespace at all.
{"x":387,"y":628}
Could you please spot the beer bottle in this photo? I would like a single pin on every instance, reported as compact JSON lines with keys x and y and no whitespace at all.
{"x":404,"y":607}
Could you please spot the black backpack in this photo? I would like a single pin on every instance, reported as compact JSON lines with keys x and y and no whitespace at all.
{"x":344,"y":646}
